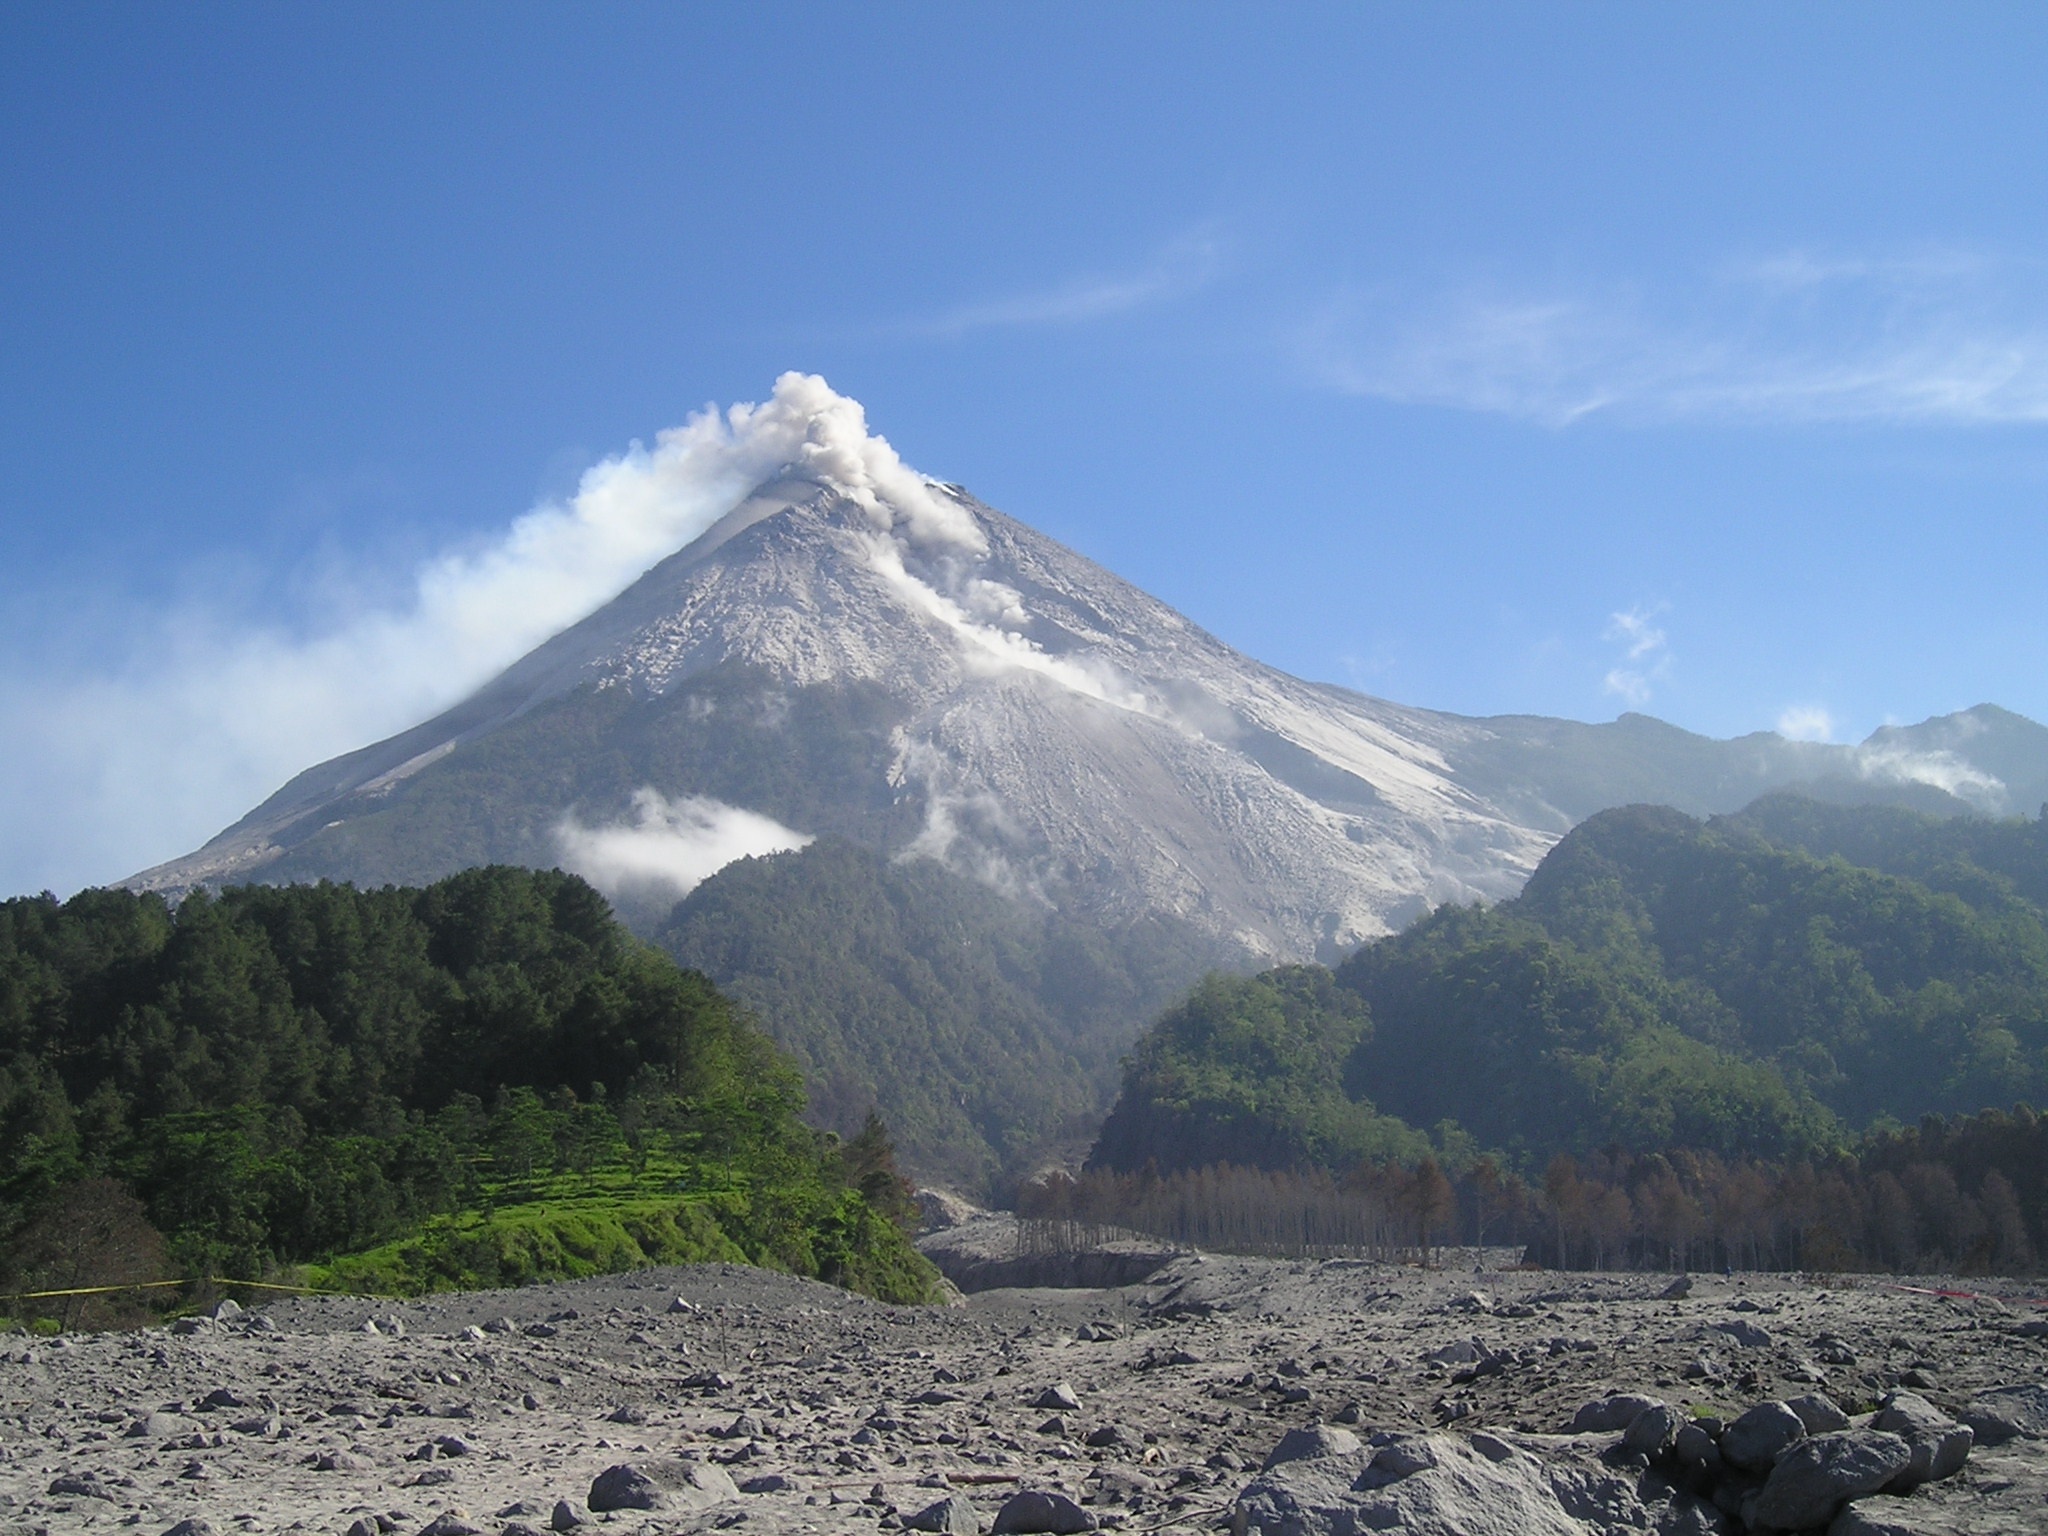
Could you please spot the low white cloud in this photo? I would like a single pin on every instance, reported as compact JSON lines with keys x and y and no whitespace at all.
{"x":137,"y":757}
{"x":1645,"y":655}
{"x":669,"y":847}
{"x":1941,"y":337}
{"x":1806,"y":722}
{"x":1892,"y":763}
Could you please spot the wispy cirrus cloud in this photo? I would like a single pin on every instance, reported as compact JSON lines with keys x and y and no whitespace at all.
{"x":1945,"y":337}
{"x":1645,"y":655}
{"x":1185,"y":265}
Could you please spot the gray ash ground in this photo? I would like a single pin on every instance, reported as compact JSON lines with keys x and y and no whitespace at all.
{"x":852,"y":1415}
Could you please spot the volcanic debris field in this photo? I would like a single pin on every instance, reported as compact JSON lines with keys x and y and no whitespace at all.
{"x":1384,"y":1397}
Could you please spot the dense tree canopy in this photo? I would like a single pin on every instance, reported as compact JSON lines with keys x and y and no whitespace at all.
{"x":1736,"y":987}
{"x":285,"y":1074}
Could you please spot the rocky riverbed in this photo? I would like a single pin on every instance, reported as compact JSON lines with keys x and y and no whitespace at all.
{"x":1452,"y":1402}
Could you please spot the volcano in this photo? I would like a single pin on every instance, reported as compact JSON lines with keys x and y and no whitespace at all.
{"x":856,"y":653}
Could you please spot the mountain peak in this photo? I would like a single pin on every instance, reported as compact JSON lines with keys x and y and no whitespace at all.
{"x":846,"y":646}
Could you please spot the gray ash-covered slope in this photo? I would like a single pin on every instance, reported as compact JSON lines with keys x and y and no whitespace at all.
{"x":961,"y":687}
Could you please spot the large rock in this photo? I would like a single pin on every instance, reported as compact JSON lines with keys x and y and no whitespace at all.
{"x":1817,"y":1476}
{"x":1898,"y":1517}
{"x":1819,"y":1413}
{"x":1754,"y":1441}
{"x":1316,"y":1440}
{"x":1939,"y":1444}
{"x":1654,"y":1431}
{"x":1032,"y":1511}
{"x":1420,"y":1485}
{"x":662,"y":1485}
{"x":1742,"y":1332}
{"x":1605,"y":1415}
{"x":2003,"y":1413}
{"x":950,"y":1516}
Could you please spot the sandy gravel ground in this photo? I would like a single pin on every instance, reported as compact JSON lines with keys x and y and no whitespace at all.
{"x":485,"y":1411}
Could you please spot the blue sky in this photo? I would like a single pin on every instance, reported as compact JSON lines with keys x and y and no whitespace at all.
{"x":1557,"y":359}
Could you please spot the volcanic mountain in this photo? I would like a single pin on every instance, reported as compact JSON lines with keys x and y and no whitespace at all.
{"x":857,"y":654}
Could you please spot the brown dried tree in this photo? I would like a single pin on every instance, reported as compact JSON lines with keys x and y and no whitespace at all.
{"x":89,"y":1234}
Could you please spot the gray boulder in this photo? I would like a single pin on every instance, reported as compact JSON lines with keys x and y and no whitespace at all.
{"x":1875,"y":1517}
{"x":1032,"y":1511}
{"x":1695,"y":1448}
{"x":1654,"y":1430}
{"x":1316,"y":1440}
{"x":76,"y":1486}
{"x":660,"y":1485}
{"x":1818,"y":1413}
{"x":1818,"y":1475}
{"x":1420,"y":1485}
{"x":1939,"y":1444}
{"x":1059,"y":1396}
{"x":1753,"y":1441}
{"x":952,"y":1515}
{"x":2005,"y":1413}
{"x":1606,"y":1415}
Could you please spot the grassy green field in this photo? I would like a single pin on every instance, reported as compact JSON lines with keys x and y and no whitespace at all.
{"x":567,"y":1226}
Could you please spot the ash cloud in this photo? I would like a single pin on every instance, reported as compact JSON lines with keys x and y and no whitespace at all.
{"x":151,"y":745}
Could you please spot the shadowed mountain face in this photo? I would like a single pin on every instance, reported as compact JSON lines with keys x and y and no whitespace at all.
{"x":944,"y":690}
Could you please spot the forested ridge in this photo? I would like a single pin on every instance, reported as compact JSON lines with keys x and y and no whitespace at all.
{"x":1739,"y":999}
{"x":984,"y":1026}
{"x":489,"y":1073}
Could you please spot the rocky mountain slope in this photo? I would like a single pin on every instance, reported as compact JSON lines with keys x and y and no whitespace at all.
{"x":927,"y":676}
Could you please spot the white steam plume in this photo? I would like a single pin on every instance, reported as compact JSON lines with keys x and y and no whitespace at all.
{"x":1891,"y":763}
{"x":670,"y":847}
{"x":992,"y":648}
{"x":114,"y":767}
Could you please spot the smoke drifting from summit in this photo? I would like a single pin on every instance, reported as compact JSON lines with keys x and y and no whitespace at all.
{"x":119,"y":765}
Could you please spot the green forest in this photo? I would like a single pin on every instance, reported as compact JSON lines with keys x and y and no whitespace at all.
{"x":485,"y":1081}
{"x":986,"y":1027}
{"x":1790,"y":987}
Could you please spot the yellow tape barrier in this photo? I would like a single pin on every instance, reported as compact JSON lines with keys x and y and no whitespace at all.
{"x":158,"y":1285}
